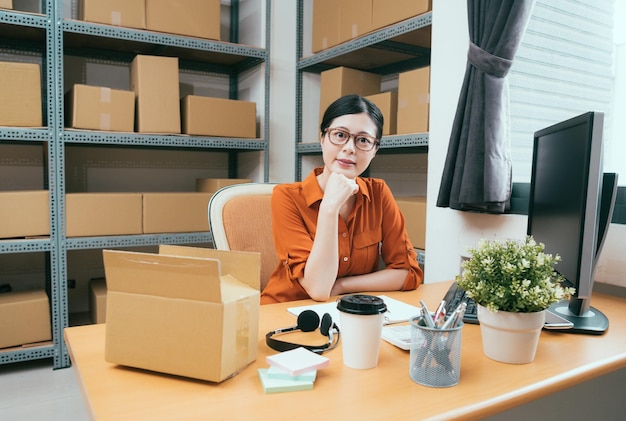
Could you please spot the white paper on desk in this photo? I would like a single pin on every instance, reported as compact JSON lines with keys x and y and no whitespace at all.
{"x":397,"y":311}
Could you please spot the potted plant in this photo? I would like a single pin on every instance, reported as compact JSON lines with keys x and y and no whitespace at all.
{"x":513,"y":283}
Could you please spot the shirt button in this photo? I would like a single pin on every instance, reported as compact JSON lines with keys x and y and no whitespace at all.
{"x":345,"y":258}
{"x":344,"y":235}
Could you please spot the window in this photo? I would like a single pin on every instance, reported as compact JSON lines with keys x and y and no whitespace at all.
{"x":572,"y":59}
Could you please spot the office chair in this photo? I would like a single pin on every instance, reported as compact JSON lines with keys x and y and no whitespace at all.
{"x":240,"y":219}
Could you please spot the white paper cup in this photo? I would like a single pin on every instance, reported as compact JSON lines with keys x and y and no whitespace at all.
{"x":361,"y":320}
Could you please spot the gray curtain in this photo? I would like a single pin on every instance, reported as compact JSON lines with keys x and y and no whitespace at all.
{"x":477,"y":171}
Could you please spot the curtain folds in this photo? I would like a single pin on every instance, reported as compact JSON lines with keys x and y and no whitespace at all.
{"x":477,"y":172}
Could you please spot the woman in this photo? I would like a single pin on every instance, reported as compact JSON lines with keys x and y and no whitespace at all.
{"x":331,"y":229}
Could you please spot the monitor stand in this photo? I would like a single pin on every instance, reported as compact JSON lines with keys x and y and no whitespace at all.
{"x":592,"y":322}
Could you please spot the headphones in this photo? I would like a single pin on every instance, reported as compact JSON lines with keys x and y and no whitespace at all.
{"x":308,"y":321}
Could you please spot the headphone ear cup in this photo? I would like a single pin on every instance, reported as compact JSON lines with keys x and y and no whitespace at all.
{"x":327,"y":322}
{"x":308,"y":321}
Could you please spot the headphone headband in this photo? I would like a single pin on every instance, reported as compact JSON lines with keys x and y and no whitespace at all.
{"x":308,"y":321}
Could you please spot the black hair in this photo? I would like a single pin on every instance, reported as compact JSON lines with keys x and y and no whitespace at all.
{"x":353,"y":104}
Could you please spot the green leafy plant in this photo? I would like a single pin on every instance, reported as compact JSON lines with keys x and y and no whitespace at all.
{"x":514,"y":276}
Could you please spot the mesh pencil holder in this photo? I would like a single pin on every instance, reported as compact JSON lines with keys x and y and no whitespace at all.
{"x":435,"y":354}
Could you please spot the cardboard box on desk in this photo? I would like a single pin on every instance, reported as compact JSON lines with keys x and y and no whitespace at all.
{"x":206,"y":116}
{"x":100,"y":108}
{"x":187,"y":311}
{"x":25,"y":317}
{"x":413,"y":209}
{"x":20,"y":94}
{"x":28,"y":212}
{"x":126,"y":13}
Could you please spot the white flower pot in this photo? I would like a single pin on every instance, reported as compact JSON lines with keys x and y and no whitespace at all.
{"x":510,"y":337}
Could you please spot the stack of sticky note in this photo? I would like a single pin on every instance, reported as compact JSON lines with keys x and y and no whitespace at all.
{"x":291,"y":370}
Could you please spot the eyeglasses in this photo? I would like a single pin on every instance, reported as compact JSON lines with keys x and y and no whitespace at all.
{"x":363,"y":142}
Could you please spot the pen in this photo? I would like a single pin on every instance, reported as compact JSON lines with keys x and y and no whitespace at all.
{"x":428,"y":319}
{"x":455,"y":317}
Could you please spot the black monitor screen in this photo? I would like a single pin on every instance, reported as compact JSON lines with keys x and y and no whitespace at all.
{"x":566,"y":197}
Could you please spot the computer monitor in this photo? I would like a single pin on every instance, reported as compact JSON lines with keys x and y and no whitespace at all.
{"x":570,"y":209}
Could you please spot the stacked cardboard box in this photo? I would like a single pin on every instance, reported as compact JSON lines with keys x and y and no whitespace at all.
{"x":337,"y":21}
{"x":175,"y":212}
{"x":413,"y":209}
{"x":6,"y":4}
{"x":92,"y":214}
{"x":155,"y":83}
{"x":211,"y":185}
{"x":196,"y":18}
{"x":25,"y":318}
{"x":20,"y":94}
{"x":28,"y":213}
{"x":218,"y":117}
{"x":341,"y":81}
{"x":414,"y":100}
{"x":126,"y":13}
{"x":98,"y":300}
{"x":99,"y":108}
{"x":387,"y":102}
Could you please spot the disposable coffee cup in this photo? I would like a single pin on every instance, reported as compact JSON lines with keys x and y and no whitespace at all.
{"x":361,"y":320}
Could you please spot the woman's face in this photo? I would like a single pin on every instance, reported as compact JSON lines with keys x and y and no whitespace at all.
{"x":347,"y":159}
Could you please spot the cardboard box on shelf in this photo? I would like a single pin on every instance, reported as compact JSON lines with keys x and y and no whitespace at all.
{"x":25,"y":318}
{"x":211,"y":185}
{"x":175,"y":212}
{"x":325,"y":31}
{"x":196,"y":18}
{"x":340,"y":81}
{"x":186,"y":311}
{"x":126,"y":13}
{"x":218,"y":117}
{"x":6,"y":4}
{"x":155,"y":83}
{"x":20,"y":94}
{"x":414,"y":210}
{"x":385,"y":12}
{"x":27,"y":211}
{"x":100,"y":108}
{"x":98,"y":300}
{"x":91,"y":214}
{"x":387,"y":102}
{"x":413,"y":100}
{"x":355,"y":19}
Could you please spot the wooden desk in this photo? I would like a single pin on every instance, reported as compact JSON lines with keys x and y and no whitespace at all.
{"x":486,"y":387}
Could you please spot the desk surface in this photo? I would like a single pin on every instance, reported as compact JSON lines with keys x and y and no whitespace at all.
{"x":486,"y":387}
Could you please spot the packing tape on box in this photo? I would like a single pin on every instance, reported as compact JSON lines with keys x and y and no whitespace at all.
{"x":105,"y":121}
{"x":116,"y":18}
{"x":105,"y":95}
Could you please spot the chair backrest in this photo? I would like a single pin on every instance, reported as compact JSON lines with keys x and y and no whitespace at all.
{"x":240,"y":219}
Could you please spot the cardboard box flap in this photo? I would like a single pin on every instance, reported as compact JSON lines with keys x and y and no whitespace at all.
{"x":243,"y":265}
{"x":179,"y":277}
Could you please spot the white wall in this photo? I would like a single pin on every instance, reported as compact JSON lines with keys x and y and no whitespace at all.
{"x":449,"y":233}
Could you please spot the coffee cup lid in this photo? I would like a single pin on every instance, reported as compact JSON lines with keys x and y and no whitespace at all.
{"x":361,"y":304}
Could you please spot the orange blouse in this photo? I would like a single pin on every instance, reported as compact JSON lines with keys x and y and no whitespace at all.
{"x":374,"y":229}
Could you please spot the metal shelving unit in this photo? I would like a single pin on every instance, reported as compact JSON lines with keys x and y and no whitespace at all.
{"x":52,"y":37}
{"x":396,"y":48}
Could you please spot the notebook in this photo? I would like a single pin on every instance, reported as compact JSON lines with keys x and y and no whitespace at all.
{"x":397,"y":311}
